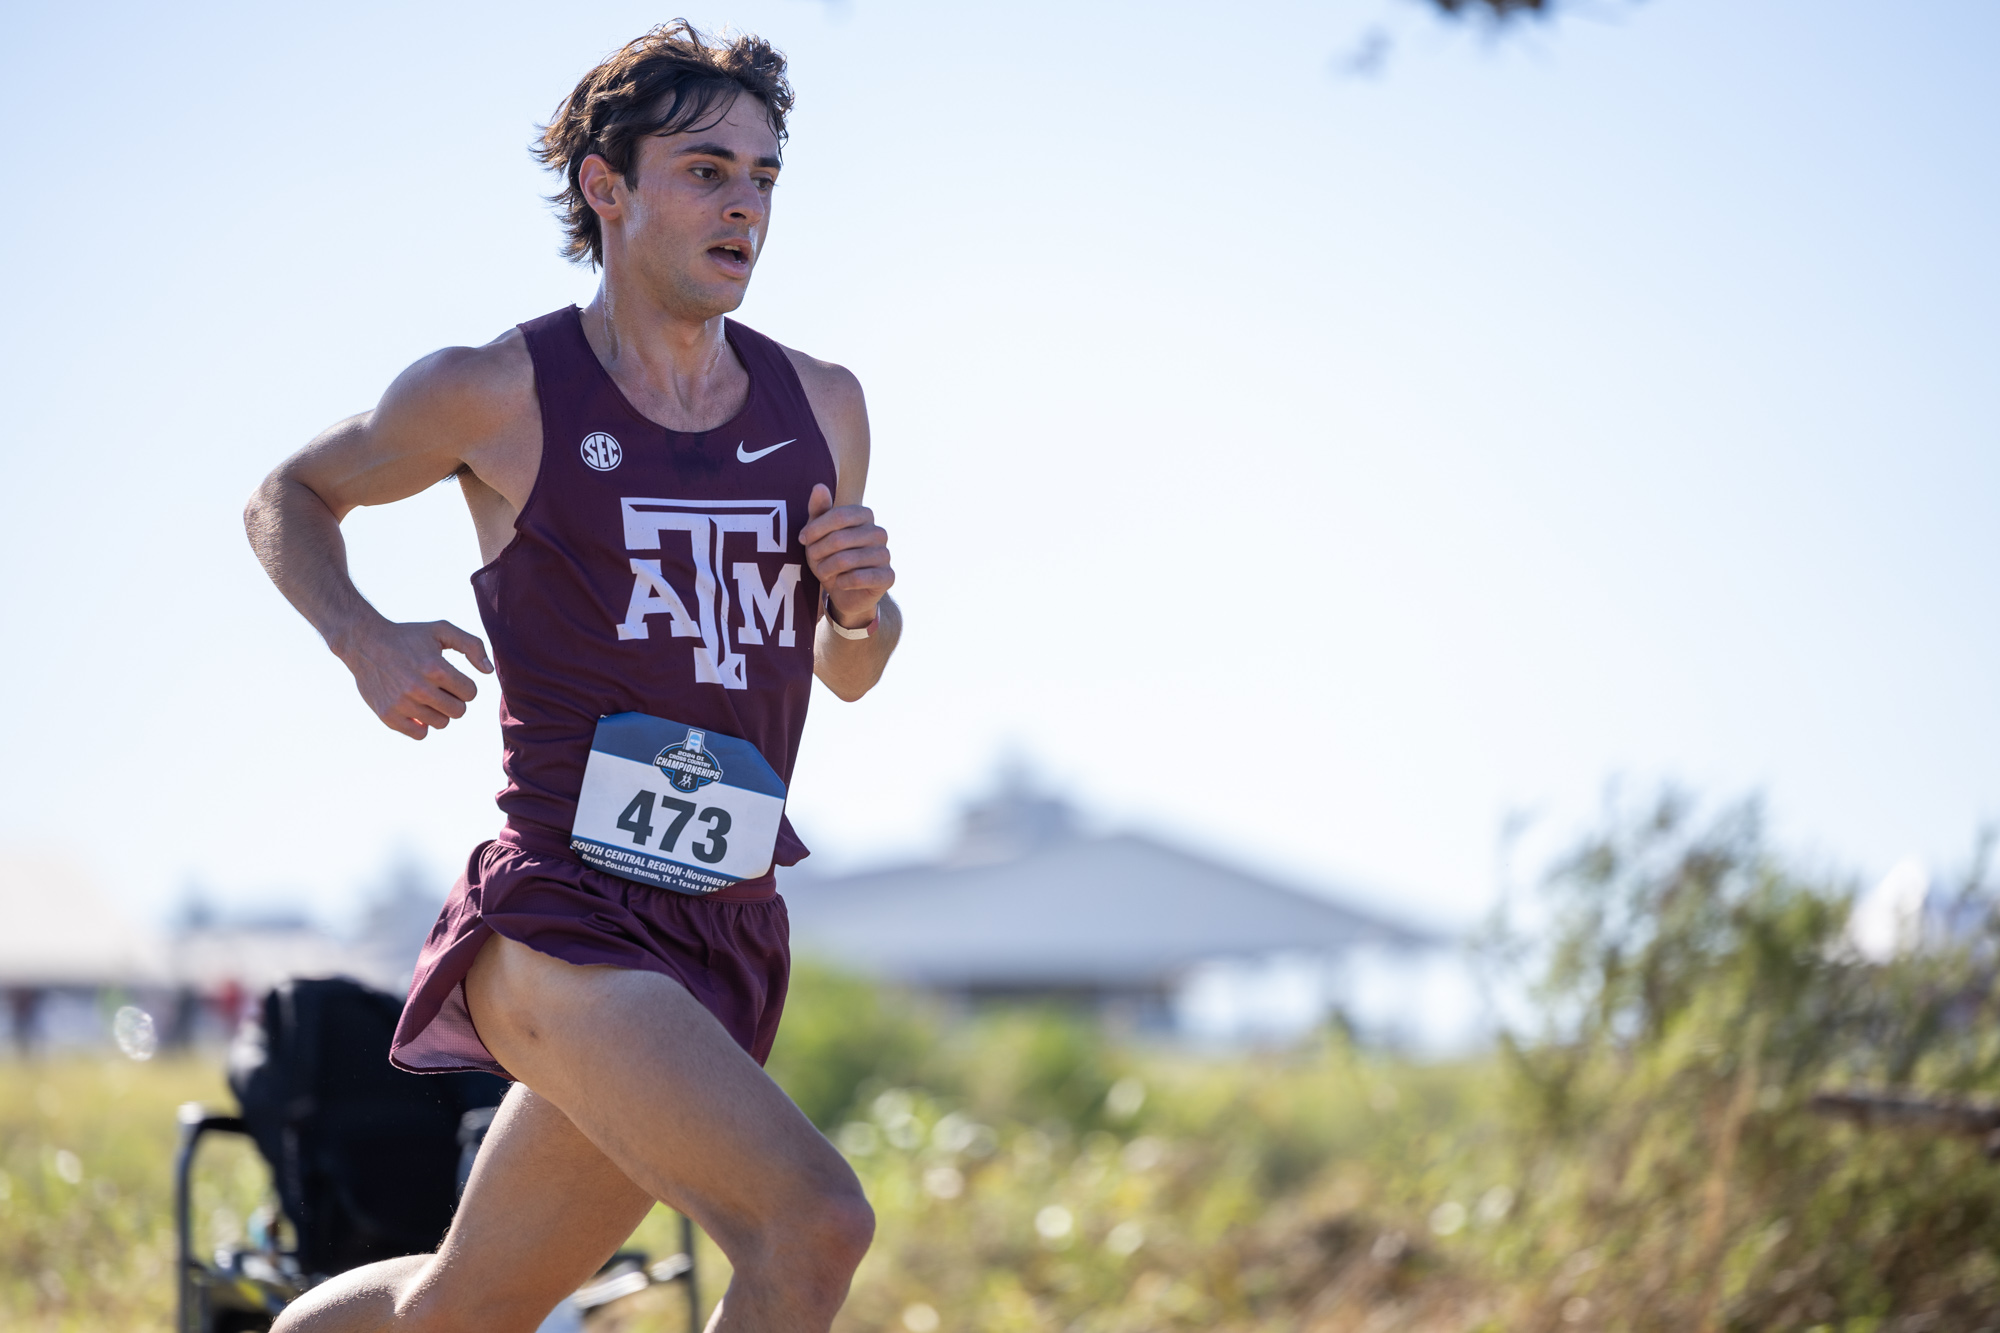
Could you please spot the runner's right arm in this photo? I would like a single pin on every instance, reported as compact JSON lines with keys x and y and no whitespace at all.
{"x":446,"y":413}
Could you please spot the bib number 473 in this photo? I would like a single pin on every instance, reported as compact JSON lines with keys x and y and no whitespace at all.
{"x":637,"y":820}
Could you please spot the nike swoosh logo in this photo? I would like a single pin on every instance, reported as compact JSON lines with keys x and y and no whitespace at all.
{"x":752,"y":457}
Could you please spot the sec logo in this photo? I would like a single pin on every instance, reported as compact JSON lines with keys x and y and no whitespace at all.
{"x":601,"y":451}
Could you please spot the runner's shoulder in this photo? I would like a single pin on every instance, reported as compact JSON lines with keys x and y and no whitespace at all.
{"x":833,"y":391}
{"x":467,"y":392}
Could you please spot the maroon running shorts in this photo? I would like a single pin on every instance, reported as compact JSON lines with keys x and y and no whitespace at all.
{"x":734,"y":956}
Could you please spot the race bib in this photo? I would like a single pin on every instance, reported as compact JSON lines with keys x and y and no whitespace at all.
{"x":676,"y":806}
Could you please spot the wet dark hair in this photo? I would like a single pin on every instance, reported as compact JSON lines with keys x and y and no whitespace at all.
{"x":673,"y":79}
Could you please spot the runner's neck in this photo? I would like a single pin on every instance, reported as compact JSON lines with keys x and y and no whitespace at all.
{"x":679,"y":372}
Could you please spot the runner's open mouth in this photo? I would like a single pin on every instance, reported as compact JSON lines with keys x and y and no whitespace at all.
{"x":729,"y":254}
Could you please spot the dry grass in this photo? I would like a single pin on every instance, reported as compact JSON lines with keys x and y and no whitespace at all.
{"x":86,"y":1228}
{"x":1215,"y":1240}
{"x":1645,"y":1163}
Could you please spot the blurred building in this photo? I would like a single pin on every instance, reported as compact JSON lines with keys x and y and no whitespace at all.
{"x":1027,"y":905}
{"x":228,"y":959}
{"x":63,"y":942}
{"x":393,"y":926}
{"x":252,"y":951}
{"x":1912,"y":909}
{"x":69,"y":957}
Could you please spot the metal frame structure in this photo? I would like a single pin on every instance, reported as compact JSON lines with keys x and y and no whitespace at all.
{"x":243,"y":1290}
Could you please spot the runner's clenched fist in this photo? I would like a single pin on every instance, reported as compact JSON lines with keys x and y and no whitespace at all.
{"x":404,"y":678}
{"x":849,"y":555}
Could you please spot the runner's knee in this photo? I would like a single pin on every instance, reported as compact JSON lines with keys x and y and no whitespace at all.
{"x":819,"y":1243}
{"x":366,"y":1298}
{"x":432,"y":1308}
{"x":847,"y":1226}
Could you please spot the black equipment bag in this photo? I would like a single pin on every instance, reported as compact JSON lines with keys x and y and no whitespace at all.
{"x":365,"y":1155}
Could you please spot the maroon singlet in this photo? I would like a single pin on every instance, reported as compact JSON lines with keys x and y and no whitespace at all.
{"x":654,"y":571}
{"x":575,"y":610}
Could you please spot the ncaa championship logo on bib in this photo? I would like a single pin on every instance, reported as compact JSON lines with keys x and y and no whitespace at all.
{"x":687,"y":765}
{"x":676,"y":806}
{"x":601,"y":451}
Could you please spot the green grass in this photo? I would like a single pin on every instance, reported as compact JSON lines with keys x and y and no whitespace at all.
{"x":86,"y":1190}
{"x":1642,"y":1161}
{"x":1176,"y":1211}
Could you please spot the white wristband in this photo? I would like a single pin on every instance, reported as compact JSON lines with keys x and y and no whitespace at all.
{"x":866,"y":631}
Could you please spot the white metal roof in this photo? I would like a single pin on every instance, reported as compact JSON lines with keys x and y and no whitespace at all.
{"x":57,"y":928}
{"x":1106,"y":913}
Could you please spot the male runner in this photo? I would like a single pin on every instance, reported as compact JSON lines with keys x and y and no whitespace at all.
{"x":669,"y":509}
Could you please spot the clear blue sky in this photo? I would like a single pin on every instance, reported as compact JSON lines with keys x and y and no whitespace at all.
{"x":1313,"y":468}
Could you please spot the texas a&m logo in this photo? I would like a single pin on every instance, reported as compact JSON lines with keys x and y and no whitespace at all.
{"x":707,"y":526}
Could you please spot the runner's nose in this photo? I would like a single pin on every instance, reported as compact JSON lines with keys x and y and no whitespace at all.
{"x":746,"y":204}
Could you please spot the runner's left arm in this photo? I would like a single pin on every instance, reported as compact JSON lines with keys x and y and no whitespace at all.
{"x":847,"y":549}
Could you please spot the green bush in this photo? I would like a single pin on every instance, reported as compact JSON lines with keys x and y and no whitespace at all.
{"x":1642,"y":1156}
{"x":840,"y":1033}
{"x":1697,"y":992}
{"x":845,"y":1039}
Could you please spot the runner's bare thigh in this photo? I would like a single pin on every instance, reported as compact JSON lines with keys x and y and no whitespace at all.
{"x":653,"y":1080}
{"x":543,"y":1211}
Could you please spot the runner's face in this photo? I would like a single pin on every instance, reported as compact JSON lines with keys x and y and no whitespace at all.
{"x":695,"y":225}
